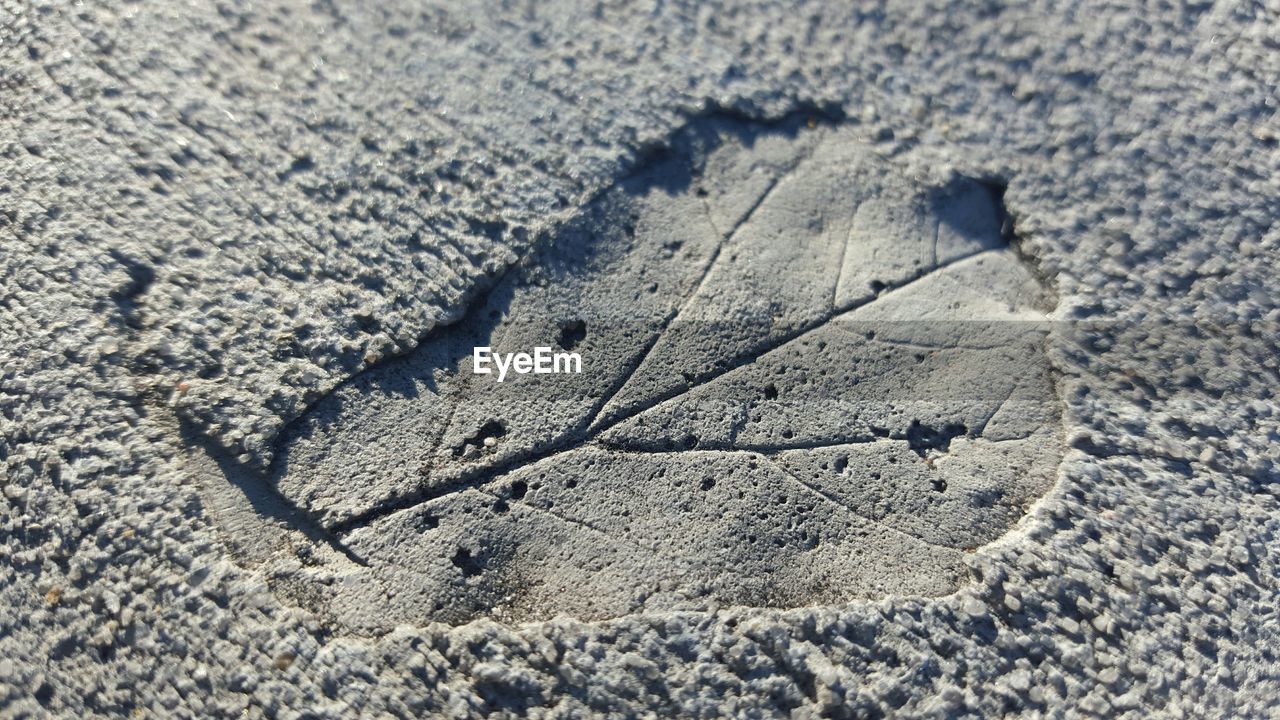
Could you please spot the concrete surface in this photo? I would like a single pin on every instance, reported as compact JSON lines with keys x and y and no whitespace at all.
{"x":215,"y":214}
{"x":731,"y":377}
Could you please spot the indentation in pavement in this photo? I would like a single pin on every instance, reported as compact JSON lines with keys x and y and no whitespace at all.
{"x":806,"y":379}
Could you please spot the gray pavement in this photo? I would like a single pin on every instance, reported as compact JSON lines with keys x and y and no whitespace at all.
{"x":220,"y":220}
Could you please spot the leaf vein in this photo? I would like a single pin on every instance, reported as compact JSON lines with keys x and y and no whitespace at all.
{"x":569,"y":443}
{"x":833,"y":500}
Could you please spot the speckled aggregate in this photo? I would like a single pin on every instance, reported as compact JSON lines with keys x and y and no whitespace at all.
{"x":215,"y":213}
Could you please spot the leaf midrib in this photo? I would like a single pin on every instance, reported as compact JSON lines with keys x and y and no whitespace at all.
{"x":586,"y":434}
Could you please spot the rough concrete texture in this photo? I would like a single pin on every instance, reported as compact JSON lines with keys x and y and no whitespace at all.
{"x":215,"y":213}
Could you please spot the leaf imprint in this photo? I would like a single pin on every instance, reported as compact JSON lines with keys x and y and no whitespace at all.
{"x":806,"y":379}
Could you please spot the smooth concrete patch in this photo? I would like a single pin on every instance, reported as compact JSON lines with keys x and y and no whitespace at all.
{"x":806,"y":379}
